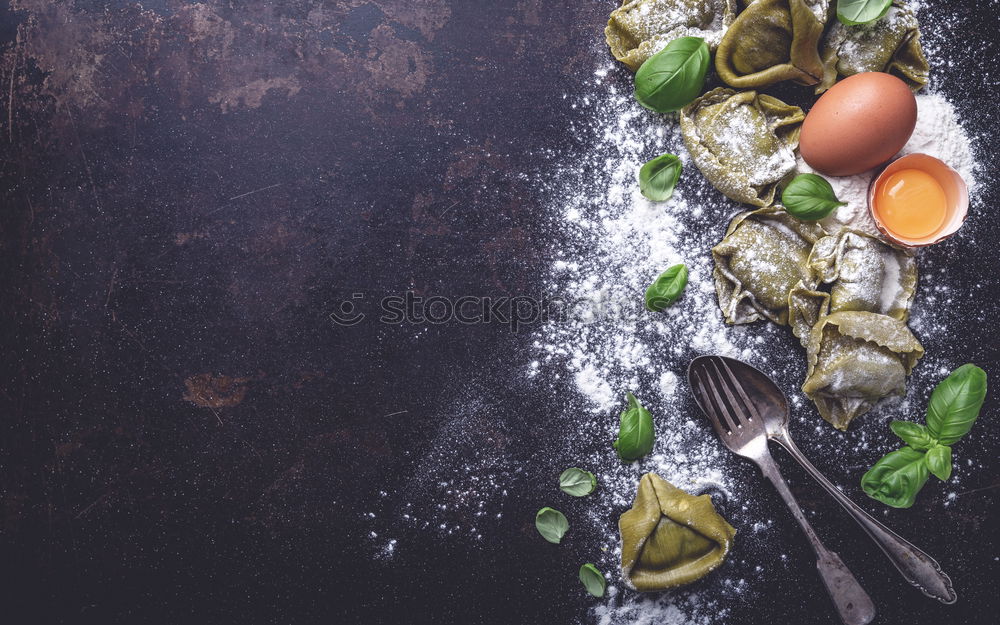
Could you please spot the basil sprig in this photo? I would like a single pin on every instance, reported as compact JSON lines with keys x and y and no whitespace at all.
{"x":854,"y":12}
{"x":898,"y":476}
{"x":809,"y":197}
{"x":577,"y":482}
{"x":667,"y":288}
{"x":551,"y":524}
{"x":635,"y":432}
{"x":674,"y":76}
{"x":658,"y":177}
{"x":593,"y":580}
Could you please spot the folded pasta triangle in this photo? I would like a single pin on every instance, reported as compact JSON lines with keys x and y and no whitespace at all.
{"x":763,"y":256}
{"x":670,"y":538}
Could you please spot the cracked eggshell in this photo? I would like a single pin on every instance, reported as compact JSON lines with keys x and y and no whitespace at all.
{"x":956,"y":194}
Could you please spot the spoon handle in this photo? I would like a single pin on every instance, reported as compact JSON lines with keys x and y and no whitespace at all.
{"x":917,"y":567}
{"x":853,"y":604}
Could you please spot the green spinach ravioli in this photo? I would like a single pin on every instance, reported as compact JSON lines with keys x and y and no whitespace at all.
{"x":773,"y":41}
{"x":854,"y":360}
{"x":763,"y":256}
{"x":863,"y":273}
{"x":743,"y":142}
{"x":639,"y":29}
{"x":669,"y":537}
{"x":890,"y":44}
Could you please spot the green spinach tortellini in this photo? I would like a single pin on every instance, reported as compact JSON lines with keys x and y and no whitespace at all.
{"x":639,"y":29}
{"x":771,"y":41}
{"x":890,"y":44}
{"x":856,"y":359}
{"x":743,"y":142}
{"x":863,"y":273}
{"x":763,"y":256}
{"x":669,"y":537}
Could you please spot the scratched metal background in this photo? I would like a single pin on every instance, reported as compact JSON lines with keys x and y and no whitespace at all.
{"x":189,"y":189}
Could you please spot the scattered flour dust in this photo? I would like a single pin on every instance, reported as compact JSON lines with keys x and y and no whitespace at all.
{"x":613,"y":244}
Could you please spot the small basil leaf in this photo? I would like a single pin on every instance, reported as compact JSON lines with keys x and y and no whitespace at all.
{"x":809,"y":197}
{"x":658,"y":177}
{"x":955,"y":404}
{"x":896,"y":478}
{"x":854,"y":12}
{"x":939,"y":461}
{"x":577,"y":482}
{"x":674,"y":76}
{"x":667,"y":288}
{"x":551,"y":524}
{"x":635,"y":433}
{"x":913,"y":434}
{"x":593,"y":580}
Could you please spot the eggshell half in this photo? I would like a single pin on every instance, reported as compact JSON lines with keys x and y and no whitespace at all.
{"x":861,"y":122}
{"x":956,"y":194}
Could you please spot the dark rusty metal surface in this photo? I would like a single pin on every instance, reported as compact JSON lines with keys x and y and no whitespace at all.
{"x":189,"y":189}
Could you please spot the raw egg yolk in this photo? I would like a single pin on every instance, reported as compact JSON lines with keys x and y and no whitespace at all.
{"x":911,"y":203}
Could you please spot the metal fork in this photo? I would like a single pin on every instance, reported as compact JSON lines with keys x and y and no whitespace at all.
{"x":734,"y":418}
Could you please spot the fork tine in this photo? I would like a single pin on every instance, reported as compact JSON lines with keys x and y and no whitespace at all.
{"x":705,"y":403}
{"x":752,"y":407}
{"x":738,"y":412}
{"x":722,"y":425}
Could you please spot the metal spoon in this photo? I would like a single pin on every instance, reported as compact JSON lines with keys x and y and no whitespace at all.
{"x":741,"y":429}
{"x":918,"y":568}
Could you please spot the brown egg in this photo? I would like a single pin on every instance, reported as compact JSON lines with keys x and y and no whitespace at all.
{"x":861,"y":122}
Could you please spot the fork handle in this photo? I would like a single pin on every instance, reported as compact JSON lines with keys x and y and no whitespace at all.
{"x":853,"y":604}
{"x":917,"y":567}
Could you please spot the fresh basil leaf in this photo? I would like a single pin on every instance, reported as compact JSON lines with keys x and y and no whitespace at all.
{"x":551,"y":524}
{"x":593,"y":580}
{"x":674,"y":76}
{"x":939,"y":461}
{"x":955,"y":404}
{"x":854,"y":12}
{"x":658,"y":177}
{"x":913,"y":434}
{"x":896,"y":478}
{"x":635,"y":433}
{"x":577,"y":482}
{"x":809,"y":197}
{"x":667,"y":288}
